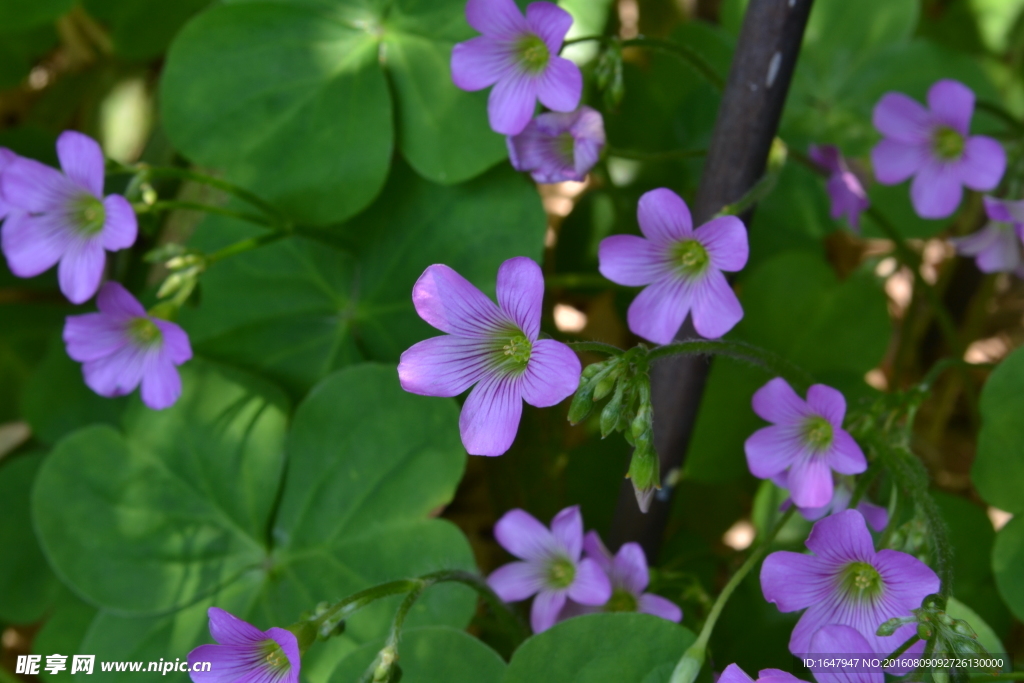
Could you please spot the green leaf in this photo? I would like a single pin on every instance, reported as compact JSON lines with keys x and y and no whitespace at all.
{"x":986,"y":636}
{"x":298,"y":310}
{"x":26,"y":582}
{"x":23,"y":340}
{"x":596,"y":648}
{"x":1008,"y":564}
{"x":998,"y":469}
{"x":64,"y":630}
{"x":142,"y":29}
{"x":17,"y":15}
{"x":430,"y":655}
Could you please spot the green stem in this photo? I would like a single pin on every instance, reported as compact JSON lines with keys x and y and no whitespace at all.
{"x":597,"y":347}
{"x":506,"y":617}
{"x":762,"y":358}
{"x":666,"y":155}
{"x":381,"y":667}
{"x":578,"y":281}
{"x":173,"y":205}
{"x":904,"y":647}
{"x":692,"y":58}
{"x":1000,"y":113}
{"x":353,"y":603}
{"x":244,"y":245}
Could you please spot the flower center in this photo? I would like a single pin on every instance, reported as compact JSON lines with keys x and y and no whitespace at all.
{"x":692,"y":256}
{"x":561,"y":572}
{"x":144,"y":331}
{"x":89,"y":214}
{"x":621,"y":601}
{"x":948,"y":144}
{"x":818,"y":433}
{"x":518,"y":350}
{"x":566,"y":145}
{"x":861,"y":582}
{"x":275,"y":657}
{"x":534,"y":53}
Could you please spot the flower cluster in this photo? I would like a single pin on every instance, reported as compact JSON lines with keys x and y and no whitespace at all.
{"x":552,"y":568}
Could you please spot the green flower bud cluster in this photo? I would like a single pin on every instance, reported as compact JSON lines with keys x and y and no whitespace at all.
{"x":911,"y":537}
{"x":184,"y":265}
{"x":609,"y":75}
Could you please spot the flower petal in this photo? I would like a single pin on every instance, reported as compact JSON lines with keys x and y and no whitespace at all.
{"x":452,"y":304}
{"x":29,"y":185}
{"x":517,"y":581}
{"x":794,"y":581}
{"x":827,"y":157}
{"x":937,"y":190}
{"x":561,"y":85}
{"x":810,"y":482}
{"x":511,"y":103}
{"x":895,"y":161}
{"x":876,"y":516}
{"x":725,"y":239}
{"x":121,"y":227}
{"x":901,"y":118}
{"x":521,"y":293}
{"x":664,"y":217}
{"x":716,"y":309}
{"x":1002,"y":256}
{"x":734,"y":674}
{"x":117,"y":302}
{"x":81,"y":269}
{"x":546,"y":607}
{"x":907,"y":579}
{"x":771,"y":450}
{"x":658,"y":312}
{"x":228,"y":663}
{"x":837,"y":640}
{"x":161,"y":383}
{"x":567,"y":528}
{"x":981,"y":241}
{"x":952,"y":104}
{"x":552,"y":374}
{"x":842,"y":537}
{"x":227,"y":629}
{"x":443,"y":366}
{"x":93,"y":336}
{"x":32,"y":244}
{"x":117,"y":374}
{"x":649,"y":603}
{"x":550,"y":22}
{"x":480,"y":62}
{"x":82,"y":160}
{"x":521,"y":534}
{"x":828,"y":403}
{"x":590,"y":586}
{"x":778,"y":403}
{"x":595,"y":549}
{"x":631,"y":260}
{"x":983,"y":163}
{"x":175,"y":341}
{"x":845,"y":456}
{"x":289,"y":644}
{"x":629,"y":568}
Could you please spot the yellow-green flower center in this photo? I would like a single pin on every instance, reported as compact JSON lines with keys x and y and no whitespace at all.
{"x":861,"y":582}
{"x":518,"y":350}
{"x":691,"y":256}
{"x":144,"y":331}
{"x":274,"y":656}
{"x":533,"y":53}
{"x":561,"y":573}
{"x":818,"y":433}
{"x":621,"y":601}
{"x":566,"y":145}
{"x":89,"y":214}
{"x":947,"y":143}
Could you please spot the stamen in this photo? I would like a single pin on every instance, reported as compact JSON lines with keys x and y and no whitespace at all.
{"x":692,"y":256}
{"x":621,"y":601}
{"x":561,"y":573}
{"x":144,"y":331}
{"x":948,"y":144}
{"x":534,"y":53}
{"x":818,"y":433}
{"x":89,"y":215}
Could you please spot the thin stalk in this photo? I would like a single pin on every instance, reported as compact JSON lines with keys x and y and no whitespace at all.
{"x":173,"y":205}
{"x":381,"y":668}
{"x":596,"y":347}
{"x":692,"y":58}
{"x":904,"y":647}
{"x":578,"y":281}
{"x":762,"y":358}
{"x":506,"y":617}
{"x":244,"y":245}
{"x":353,"y":603}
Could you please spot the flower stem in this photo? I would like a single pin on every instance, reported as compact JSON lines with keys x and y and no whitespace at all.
{"x":691,"y":57}
{"x":665,"y":155}
{"x":244,"y":245}
{"x":904,"y":647}
{"x":173,"y":205}
{"x":597,"y":347}
{"x":578,"y":281}
{"x":762,"y":358}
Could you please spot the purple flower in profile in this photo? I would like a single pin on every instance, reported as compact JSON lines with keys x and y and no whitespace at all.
{"x":834,"y":641}
{"x":519,"y":56}
{"x":245,"y":654}
{"x":494,"y":347}
{"x":934,"y":146}
{"x":845,"y":190}
{"x":996,"y":247}
{"x":551,"y":567}
{"x":683,"y":267}
{"x":122,"y":346}
{"x":806,"y":441}
{"x":556,"y":147}
{"x":64,"y":217}
{"x":846,"y":582}
{"x":877,"y":516}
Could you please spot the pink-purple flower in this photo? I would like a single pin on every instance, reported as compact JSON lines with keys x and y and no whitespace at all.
{"x":877,"y":516}
{"x":122,"y":346}
{"x":550,"y":565}
{"x":845,"y":190}
{"x":996,"y":247}
{"x":6,"y":157}
{"x":845,"y":581}
{"x":805,"y":443}
{"x":518,"y":55}
{"x":245,"y":654}
{"x":835,"y":642}
{"x":934,"y":145}
{"x":63,"y":216}
{"x":681,"y":266}
{"x":493,"y":347}
{"x":556,"y":146}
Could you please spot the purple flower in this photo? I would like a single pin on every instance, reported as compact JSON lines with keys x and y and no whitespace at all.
{"x":734,"y":674}
{"x":245,"y":653}
{"x":6,"y":157}
{"x":846,"y":582}
{"x":683,"y":267}
{"x":519,"y":56}
{"x":494,"y":347}
{"x":806,"y":441}
{"x":122,"y":345}
{"x":64,"y":217}
{"x":556,"y":147}
{"x":845,"y":191}
{"x":996,"y":247}
{"x":834,"y":640}
{"x":935,"y":147}
{"x":877,"y":516}
{"x":551,"y":568}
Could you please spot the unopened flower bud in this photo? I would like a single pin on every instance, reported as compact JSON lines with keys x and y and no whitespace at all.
{"x":611,"y":414}
{"x":582,"y":403}
{"x":605,"y":385}
{"x":645,"y":475}
{"x":387,"y":670}
{"x":961,"y":627}
{"x":925,"y":631}
{"x":889,"y":627}
{"x":689,"y":666}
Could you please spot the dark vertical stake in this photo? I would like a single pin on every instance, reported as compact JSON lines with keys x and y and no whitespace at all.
{"x":748,"y":119}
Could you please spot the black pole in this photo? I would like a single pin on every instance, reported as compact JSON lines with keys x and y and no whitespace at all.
{"x":747,"y":121}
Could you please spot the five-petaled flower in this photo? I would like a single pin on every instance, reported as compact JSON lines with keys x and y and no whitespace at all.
{"x":494,"y":347}
{"x":846,"y":582}
{"x":935,"y":146}
{"x":122,"y":346}
{"x":519,"y":56}
{"x":996,"y":247}
{"x":682,"y":266}
{"x":556,"y":147}
{"x":845,"y":191}
{"x":805,"y":442}
{"x":64,"y":217}
{"x":245,"y":654}
{"x":551,"y":567}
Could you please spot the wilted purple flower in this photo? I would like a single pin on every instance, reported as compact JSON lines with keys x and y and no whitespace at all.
{"x":64,"y":217}
{"x":996,"y":247}
{"x":556,"y":147}
{"x":683,"y":267}
{"x":806,"y":441}
{"x":846,"y":582}
{"x":934,"y":146}
{"x":519,"y":56}
{"x":834,"y":641}
{"x":845,"y":190}
{"x":494,"y":347}
{"x":246,"y":654}
{"x":877,"y":516}
{"x":551,"y":568}
{"x":122,"y":345}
